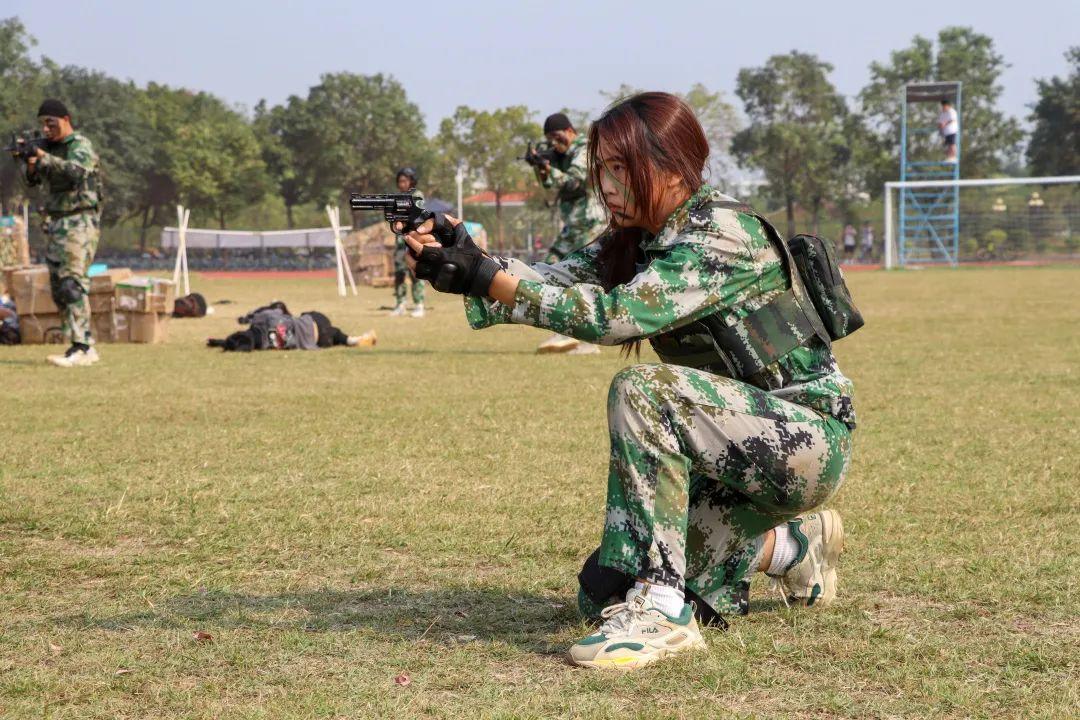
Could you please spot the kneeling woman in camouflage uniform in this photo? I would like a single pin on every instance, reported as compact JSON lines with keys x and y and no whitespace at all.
{"x":711,"y":478}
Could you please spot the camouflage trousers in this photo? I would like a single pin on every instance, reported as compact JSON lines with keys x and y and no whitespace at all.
{"x":701,"y":468}
{"x":401,"y":273}
{"x":72,"y":242}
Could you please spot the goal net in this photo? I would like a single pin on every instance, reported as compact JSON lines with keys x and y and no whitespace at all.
{"x":992,"y":219}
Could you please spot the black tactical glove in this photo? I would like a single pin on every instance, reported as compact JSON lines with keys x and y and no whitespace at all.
{"x":459,"y":266}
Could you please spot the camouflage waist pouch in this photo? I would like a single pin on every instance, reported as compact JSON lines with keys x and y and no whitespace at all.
{"x":824,"y":283}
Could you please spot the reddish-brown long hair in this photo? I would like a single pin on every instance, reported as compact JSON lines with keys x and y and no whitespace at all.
{"x":652,"y":132}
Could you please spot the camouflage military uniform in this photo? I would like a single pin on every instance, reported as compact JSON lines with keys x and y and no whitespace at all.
{"x":70,"y":170}
{"x":401,"y":270}
{"x":701,"y":465}
{"x":581,"y":214}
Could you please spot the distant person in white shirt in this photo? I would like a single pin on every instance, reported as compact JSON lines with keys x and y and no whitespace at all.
{"x":867,"y":252}
{"x":849,"y":243}
{"x":948,"y":126}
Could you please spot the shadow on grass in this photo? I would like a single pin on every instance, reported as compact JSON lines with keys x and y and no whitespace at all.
{"x":453,"y":352}
{"x":24,"y":363}
{"x":449,"y":615}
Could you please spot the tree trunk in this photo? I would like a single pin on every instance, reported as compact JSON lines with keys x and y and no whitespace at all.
{"x":142,"y":230}
{"x":498,"y":220}
{"x":816,"y":215}
{"x":221,"y":219}
{"x":289,"y":216}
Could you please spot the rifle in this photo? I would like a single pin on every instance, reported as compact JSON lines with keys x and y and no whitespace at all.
{"x":539,"y":154}
{"x":24,"y":145}
{"x":398,"y":208}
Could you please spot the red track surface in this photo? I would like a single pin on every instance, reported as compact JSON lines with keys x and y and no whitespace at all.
{"x":270,"y":274}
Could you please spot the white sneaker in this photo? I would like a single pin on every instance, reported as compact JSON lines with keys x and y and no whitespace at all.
{"x":398,"y":311}
{"x":75,"y":357}
{"x":585,"y":348}
{"x":635,"y":634}
{"x":557,"y":344}
{"x":368,"y":339}
{"x":811,"y":579}
{"x":418,"y":311}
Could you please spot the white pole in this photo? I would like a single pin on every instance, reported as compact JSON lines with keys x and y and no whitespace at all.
{"x":888,"y":229}
{"x":187,"y":275}
{"x":344,"y":255}
{"x":459,"y":176}
{"x":24,"y":251}
{"x":339,"y":251}
{"x":179,"y":244}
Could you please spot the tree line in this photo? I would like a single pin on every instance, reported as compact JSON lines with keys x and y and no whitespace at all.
{"x":161,"y":145}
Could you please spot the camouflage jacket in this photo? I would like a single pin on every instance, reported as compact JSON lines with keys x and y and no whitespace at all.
{"x":70,"y":170}
{"x":399,"y":240}
{"x":704,"y":261}
{"x":579,"y":209}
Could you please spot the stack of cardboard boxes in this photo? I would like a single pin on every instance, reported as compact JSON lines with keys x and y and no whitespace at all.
{"x":123,"y":307}
{"x":144,"y":305}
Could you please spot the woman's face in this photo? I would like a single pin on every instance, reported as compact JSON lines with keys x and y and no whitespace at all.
{"x":667,"y":192}
{"x":616,"y":190}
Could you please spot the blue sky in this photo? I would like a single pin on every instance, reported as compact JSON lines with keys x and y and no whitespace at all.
{"x":544,"y":55}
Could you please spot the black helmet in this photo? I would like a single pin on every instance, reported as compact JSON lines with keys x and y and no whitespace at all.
{"x":407,"y":172}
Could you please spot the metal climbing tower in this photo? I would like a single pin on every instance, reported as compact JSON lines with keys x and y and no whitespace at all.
{"x":929,"y":216}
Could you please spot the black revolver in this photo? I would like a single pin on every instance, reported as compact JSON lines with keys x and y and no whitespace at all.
{"x":24,"y":145}
{"x":403,"y":211}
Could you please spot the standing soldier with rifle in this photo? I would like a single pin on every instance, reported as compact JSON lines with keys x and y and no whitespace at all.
{"x":566,"y":169}
{"x":68,"y":166}
{"x":406,"y":183}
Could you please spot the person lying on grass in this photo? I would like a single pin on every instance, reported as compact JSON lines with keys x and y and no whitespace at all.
{"x":711,"y":478}
{"x":273,"y":327}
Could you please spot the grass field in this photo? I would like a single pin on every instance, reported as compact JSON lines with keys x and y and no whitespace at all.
{"x":335,"y":519}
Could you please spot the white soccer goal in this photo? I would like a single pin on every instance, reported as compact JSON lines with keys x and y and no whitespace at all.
{"x":985,"y":219}
{"x":182,"y":238}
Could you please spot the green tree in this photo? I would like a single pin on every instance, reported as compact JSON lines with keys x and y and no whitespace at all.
{"x":217,"y":165}
{"x":988,"y":138}
{"x":797,"y":132}
{"x":1055,"y":140}
{"x":285,"y":133}
{"x":719,"y":119}
{"x":362,"y":129}
{"x":490,"y":144}
{"x":20,"y":79}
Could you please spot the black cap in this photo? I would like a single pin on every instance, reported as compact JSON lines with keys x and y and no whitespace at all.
{"x":53,"y":108}
{"x":407,"y":172}
{"x":556,"y":122}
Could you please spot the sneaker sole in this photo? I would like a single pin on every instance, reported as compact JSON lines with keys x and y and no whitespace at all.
{"x":562,"y":347}
{"x":634,"y":662}
{"x":832,"y":540}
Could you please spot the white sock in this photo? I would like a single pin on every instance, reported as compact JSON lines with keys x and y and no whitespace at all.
{"x":666,"y":599}
{"x":784,"y":551}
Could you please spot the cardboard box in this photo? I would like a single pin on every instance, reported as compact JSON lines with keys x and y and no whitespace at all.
{"x":104,"y":327}
{"x":102,"y":303}
{"x":38,"y":329}
{"x":121,"y":327}
{"x":146,"y":327}
{"x":106,"y":282}
{"x":145,"y":295}
{"x":6,"y":281}
{"x":31,"y":291}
